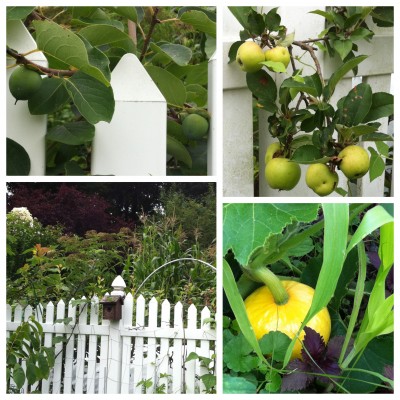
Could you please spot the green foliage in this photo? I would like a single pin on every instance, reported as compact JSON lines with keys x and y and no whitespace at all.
{"x":23,"y":235}
{"x":83,"y":45}
{"x":303,"y":103}
{"x":25,"y":344}
{"x":341,"y":283}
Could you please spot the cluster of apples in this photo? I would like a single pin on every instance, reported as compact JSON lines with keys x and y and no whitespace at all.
{"x":250,"y":56}
{"x":284,"y":174}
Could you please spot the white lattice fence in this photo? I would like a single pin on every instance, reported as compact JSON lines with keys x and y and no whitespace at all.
{"x":104,"y":356}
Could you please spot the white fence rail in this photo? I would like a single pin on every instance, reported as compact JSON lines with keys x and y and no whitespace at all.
{"x":238,"y":169}
{"x":103,"y":356}
{"x":133,"y":143}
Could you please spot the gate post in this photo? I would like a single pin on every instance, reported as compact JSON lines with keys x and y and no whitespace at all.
{"x":115,"y":343}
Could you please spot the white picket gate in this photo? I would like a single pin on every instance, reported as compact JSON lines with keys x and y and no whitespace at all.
{"x":133,"y":143}
{"x":238,"y":168}
{"x":104,"y":356}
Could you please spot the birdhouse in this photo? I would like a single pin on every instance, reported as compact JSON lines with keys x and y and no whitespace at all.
{"x":112,"y":307}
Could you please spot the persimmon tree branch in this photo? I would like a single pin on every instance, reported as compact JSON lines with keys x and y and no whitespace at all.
{"x":22,"y":60}
{"x":153,"y":23}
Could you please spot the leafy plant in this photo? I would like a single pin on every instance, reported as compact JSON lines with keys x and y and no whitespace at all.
{"x":25,"y":345}
{"x":310,"y":126}
{"x":83,"y":45}
{"x":288,"y":239}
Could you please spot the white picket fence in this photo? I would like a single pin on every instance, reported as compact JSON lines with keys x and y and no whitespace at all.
{"x":133,"y":143}
{"x":104,"y":356}
{"x":238,"y":168}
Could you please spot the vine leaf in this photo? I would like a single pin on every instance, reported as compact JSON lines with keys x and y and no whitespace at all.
{"x":249,"y":226}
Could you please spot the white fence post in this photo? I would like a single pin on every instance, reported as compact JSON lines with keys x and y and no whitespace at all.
{"x":134,"y":142}
{"x":213,"y":136}
{"x":27,"y":130}
{"x":115,"y":344}
{"x":238,"y":126}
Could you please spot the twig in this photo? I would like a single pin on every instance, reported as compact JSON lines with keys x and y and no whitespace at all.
{"x":302,"y":97}
{"x":20,"y":59}
{"x":310,"y":49}
{"x":153,"y":23}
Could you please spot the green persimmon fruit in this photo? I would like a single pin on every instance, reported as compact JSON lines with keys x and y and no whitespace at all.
{"x":282,"y":173}
{"x":278,"y":54}
{"x":321,"y":179}
{"x":355,"y":161}
{"x":23,"y":83}
{"x":271,"y":150}
{"x":249,"y":56}
{"x":195,"y":127}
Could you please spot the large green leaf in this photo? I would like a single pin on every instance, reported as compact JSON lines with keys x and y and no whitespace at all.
{"x":200,"y":21}
{"x":73,"y":133}
{"x":242,"y":15}
{"x":238,"y":308}
{"x":340,"y":73}
{"x":66,"y":47}
{"x":18,"y":161}
{"x":310,"y":84}
{"x":343,"y":47}
{"x":18,"y":376}
{"x":336,"y":218}
{"x":170,"y":86}
{"x":196,"y":94}
{"x":262,"y":85}
{"x":238,"y":385}
{"x":376,"y":165}
{"x":382,"y":106}
{"x":128,"y":12}
{"x":93,"y":100}
{"x":176,"y":149}
{"x":15,"y":13}
{"x":101,"y":35}
{"x":97,"y":58}
{"x":356,"y":105}
{"x":247,"y":226}
{"x":177,"y":53}
{"x":49,"y":98}
{"x":377,"y":355}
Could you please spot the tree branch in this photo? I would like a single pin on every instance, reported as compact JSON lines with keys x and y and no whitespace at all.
{"x":310,"y":49}
{"x":22,"y":60}
{"x":153,"y":23}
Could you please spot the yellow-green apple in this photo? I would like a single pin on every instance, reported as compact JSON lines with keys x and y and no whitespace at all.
{"x":282,"y":173}
{"x":278,"y":54}
{"x":321,"y":179}
{"x":271,"y":150}
{"x":249,"y":56}
{"x":355,"y":161}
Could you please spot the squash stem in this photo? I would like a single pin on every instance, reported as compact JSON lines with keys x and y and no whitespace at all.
{"x":263,"y":274}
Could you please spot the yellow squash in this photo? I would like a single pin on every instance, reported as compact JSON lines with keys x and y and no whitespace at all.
{"x":265,"y":315}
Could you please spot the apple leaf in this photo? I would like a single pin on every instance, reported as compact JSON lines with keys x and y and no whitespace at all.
{"x":382,"y":106}
{"x":356,"y":105}
{"x":15,"y":13}
{"x":340,"y":73}
{"x":343,"y":47}
{"x":377,"y":165}
{"x":262,"y":85}
{"x":275,"y":66}
{"x":176,"y":149}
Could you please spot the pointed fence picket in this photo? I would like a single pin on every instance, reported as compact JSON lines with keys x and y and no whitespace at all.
{"x":142,"y":354}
